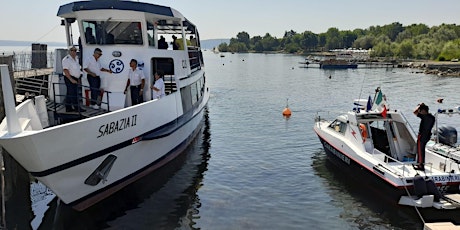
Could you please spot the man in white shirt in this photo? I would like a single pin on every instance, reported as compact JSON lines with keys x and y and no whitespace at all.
{"x":159,"y":86}
{"x":136,"y":82}
{"x":94,"y":69}
{"x":72,"y":72}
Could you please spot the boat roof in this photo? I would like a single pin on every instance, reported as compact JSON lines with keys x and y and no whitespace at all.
{"x":70,"y":8}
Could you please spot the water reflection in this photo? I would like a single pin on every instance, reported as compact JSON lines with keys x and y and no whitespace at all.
{"x":362,"y":204}
{"x":164,"y":199}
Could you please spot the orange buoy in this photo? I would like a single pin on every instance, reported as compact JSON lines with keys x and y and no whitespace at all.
{"x":286,"y":112}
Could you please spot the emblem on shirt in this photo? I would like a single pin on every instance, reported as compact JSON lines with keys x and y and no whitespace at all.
{"x":116,"y":65}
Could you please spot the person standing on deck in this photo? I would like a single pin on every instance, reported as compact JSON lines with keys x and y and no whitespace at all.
{"x":136,"y":81}
{"x":94,"y":69}
{"x":424,"y":133}
{"x":72,"y":73}
{"x":159,"y":86}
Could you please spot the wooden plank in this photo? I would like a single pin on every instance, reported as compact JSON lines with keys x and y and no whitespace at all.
{"x":32,"y":72}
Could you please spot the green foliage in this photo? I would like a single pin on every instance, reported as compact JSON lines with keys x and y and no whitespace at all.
{"x":392,"y":40}
{"x":450,"y":50}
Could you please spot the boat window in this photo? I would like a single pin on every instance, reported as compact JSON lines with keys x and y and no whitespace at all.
{"x":164,"y":64}
{"x":150,"y":34}
{"x":338,"y":126}
{"x":112,"y":32}
{"x":194,"y":93}
{"x":191,"y":94}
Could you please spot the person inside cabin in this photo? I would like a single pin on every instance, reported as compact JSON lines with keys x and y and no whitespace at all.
{"x":136,"y":81}
{"x":159,"y":86}
{"x":72,"y":73}
{"x":174,"y":43}
{"x":89,"y":36}
{"x":94,"y":70}
{"x":162,"y":44}
{"x":424,"y":133}
{"x":192,"y":41}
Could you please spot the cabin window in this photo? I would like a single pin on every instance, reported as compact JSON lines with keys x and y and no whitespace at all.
{"x":191,"y":94}
{"x":150,"y":34}
{"x":186,"y":98}
{"x":112,"y":32}
{"x":194,"y":93}
{"x":338,"y":126}
{"x":164,"y":64}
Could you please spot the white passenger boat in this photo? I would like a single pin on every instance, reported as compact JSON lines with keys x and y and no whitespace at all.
{"x":85,"y":156}
{"x":377,"y":143}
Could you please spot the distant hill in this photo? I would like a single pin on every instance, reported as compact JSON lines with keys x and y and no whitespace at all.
{"x":28,"y":43}
{"x":211,"y":43}
{"x":205,"y":44}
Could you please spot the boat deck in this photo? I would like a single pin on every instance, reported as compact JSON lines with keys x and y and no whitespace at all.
{"x":61,"y":115}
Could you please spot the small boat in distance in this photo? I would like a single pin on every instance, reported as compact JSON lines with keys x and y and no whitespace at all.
{"x":377,"y":144}
{"x":86,"y":155}
{"x":337,"y":64}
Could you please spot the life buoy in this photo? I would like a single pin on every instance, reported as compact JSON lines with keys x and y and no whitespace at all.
{"x":363,"y":129}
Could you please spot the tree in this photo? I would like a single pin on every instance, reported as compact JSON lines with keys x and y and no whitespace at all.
{"x":365,"y":42}
{"x":333,"y":39}
{"x":451,"y":50}
{"x":309,"y":40}
{"x":348,"y":38}
{"x":243,"y":37}
{"x":223,"y":47}
{"x":406,"y":49}
{"x":382,"y":49}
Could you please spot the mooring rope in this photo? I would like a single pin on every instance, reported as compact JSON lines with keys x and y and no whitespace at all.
{"x":2,"y":170}
{"x":408,"y":193}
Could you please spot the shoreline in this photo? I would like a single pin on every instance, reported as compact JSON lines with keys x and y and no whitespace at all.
{"x":439,"y":68}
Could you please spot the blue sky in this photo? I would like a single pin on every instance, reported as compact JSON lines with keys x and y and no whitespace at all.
{"x":36,"y":20}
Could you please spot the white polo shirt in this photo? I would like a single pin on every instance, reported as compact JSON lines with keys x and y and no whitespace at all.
{"x":135,"y":76}
{"x":93,"y":65}
{"x":71,"y":65}
{"x":159,"y":84}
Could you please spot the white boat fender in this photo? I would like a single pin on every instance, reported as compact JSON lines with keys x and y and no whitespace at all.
{"x":420,"y":188}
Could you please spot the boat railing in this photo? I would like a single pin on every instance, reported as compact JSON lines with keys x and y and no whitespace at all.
{"x":195,"y":59}
{"x":81,"y":97}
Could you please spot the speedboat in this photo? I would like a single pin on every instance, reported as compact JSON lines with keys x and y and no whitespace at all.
{"x":86,"y":155}
{"x":377,"y":143}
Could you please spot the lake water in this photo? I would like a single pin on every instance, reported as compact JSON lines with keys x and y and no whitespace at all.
{"x":250,"y":168}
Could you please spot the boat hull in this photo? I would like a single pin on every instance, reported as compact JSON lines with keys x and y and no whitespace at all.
{"x":102,"y":154}
{"x":352,"y":167}
{"x":345,"y":66}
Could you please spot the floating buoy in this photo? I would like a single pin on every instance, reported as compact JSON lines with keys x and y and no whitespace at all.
{"x":287,"y":111}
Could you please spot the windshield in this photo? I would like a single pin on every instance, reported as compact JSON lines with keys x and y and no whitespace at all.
{"x":112,"y":32}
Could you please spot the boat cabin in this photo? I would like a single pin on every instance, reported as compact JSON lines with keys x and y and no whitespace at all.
{"x":158,"y":37}
{"x":387,"y":137}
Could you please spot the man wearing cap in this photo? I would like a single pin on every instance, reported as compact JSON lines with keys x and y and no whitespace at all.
{"x":94,"y":69}
{"x":424,"y":133}
{"x":72,"y":72}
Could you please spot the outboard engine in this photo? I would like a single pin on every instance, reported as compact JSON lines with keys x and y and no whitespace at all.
{"x":447,"y":135}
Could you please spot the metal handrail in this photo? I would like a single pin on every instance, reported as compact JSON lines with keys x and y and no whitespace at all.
{"x":79,"y":97}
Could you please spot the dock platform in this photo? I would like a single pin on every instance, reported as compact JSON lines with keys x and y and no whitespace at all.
{"x":441,"y":226}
